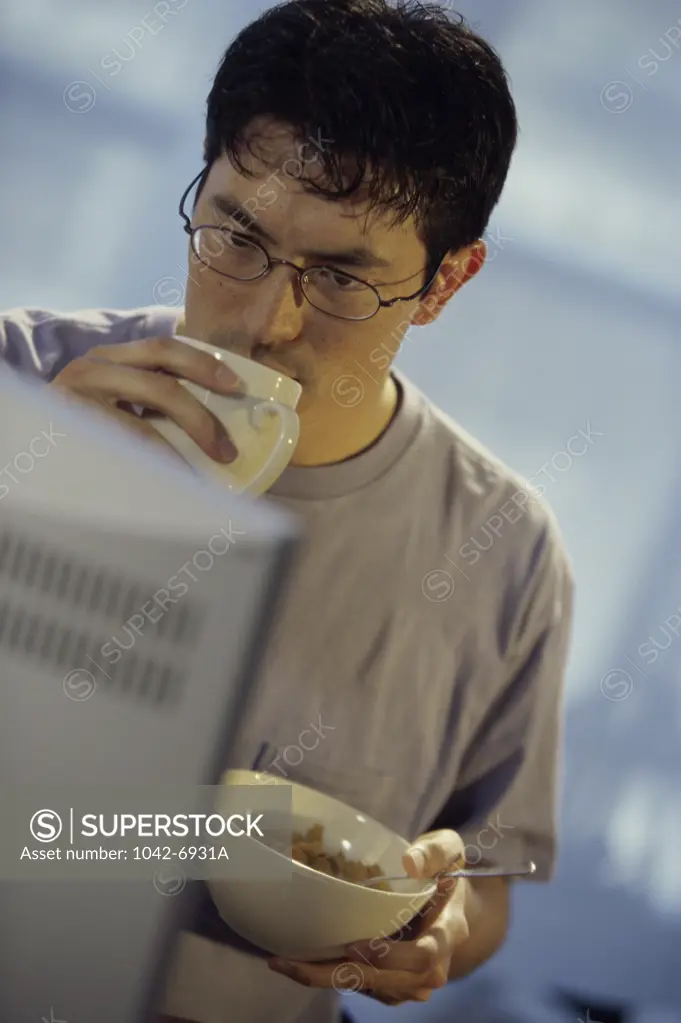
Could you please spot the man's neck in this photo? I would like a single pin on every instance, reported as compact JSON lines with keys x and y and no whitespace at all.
{"x":342,"y":435}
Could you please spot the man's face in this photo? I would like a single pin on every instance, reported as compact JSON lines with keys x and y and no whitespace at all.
{"x":269,"y":320}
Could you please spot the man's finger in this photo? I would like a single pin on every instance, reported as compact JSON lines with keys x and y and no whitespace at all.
{"x":417,"y":996}
{"x":398,"y":984}
{"x":111,"y":384}
{"x":433,"y":852}
{"x":173,"y":356}
{"x":352,"y":977}
{"x":422,"y":995}
{"x":422,"y":956}
{"x":439,"y":935}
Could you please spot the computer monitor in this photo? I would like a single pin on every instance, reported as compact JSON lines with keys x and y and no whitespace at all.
{"x":108,"y":546}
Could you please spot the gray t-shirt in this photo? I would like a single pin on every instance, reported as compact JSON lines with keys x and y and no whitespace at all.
{"x":416,"y":665}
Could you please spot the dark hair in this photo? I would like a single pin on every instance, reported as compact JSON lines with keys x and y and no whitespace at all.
{"x":416,"y":100}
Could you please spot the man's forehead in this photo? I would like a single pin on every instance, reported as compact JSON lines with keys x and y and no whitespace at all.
{"x":255,"y":188}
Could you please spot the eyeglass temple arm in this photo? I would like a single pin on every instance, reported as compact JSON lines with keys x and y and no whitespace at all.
{"x":187,"y":220}
{"x":422,"y":291}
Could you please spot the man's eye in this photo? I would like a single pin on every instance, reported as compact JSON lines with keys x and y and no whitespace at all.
{"x":342,"y":281}
{"x":240,"y":242}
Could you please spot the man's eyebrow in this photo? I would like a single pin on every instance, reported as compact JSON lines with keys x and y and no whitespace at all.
{"x":358,"y":256}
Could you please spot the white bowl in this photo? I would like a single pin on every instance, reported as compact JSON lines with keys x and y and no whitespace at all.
{"x":312,"y":916}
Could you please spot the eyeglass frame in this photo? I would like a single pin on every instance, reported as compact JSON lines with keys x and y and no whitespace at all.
{"x":273,"y":261}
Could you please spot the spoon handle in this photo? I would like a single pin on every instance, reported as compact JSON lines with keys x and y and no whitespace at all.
{"x":526,"y":869}
{"x":519,"y":871}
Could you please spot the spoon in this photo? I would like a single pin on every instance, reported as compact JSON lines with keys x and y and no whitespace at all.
{"x":523,"y":871}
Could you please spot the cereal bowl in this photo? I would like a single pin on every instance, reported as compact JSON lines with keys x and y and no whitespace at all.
{"x":306,"y":914}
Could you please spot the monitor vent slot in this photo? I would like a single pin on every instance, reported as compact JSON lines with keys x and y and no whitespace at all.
{"x":75,"y":655}
{"x":96,"y":591}
{"x":77,"y":618}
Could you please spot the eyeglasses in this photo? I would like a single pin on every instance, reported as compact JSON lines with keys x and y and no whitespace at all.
{"x":233,"y":254}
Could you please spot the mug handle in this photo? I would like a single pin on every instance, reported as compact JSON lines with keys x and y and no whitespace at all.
{"x":289,"y":428}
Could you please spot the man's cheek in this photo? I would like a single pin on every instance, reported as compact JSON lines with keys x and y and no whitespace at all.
{"x":217,"y":302}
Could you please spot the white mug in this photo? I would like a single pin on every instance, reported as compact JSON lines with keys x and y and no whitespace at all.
{"x":262,"y":422}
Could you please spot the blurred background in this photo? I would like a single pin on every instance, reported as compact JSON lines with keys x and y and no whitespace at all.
{"x":575,"y":324}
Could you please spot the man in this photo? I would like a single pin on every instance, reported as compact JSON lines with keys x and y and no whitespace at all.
{"x":354,"y":153}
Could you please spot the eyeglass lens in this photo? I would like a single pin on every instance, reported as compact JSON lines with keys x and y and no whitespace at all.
{"x":326,"y":289}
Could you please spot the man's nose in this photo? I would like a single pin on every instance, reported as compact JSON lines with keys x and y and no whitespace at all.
{"x":278,"y":310}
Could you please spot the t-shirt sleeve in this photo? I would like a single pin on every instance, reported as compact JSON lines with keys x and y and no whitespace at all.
{"x":505,"y":801}
{"x":41,"y":342}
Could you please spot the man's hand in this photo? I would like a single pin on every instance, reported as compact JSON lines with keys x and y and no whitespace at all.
{"x":116,"y":377}
{"x":394,"y":971}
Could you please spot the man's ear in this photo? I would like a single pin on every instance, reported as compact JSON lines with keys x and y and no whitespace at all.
{"x":456,"y":269}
